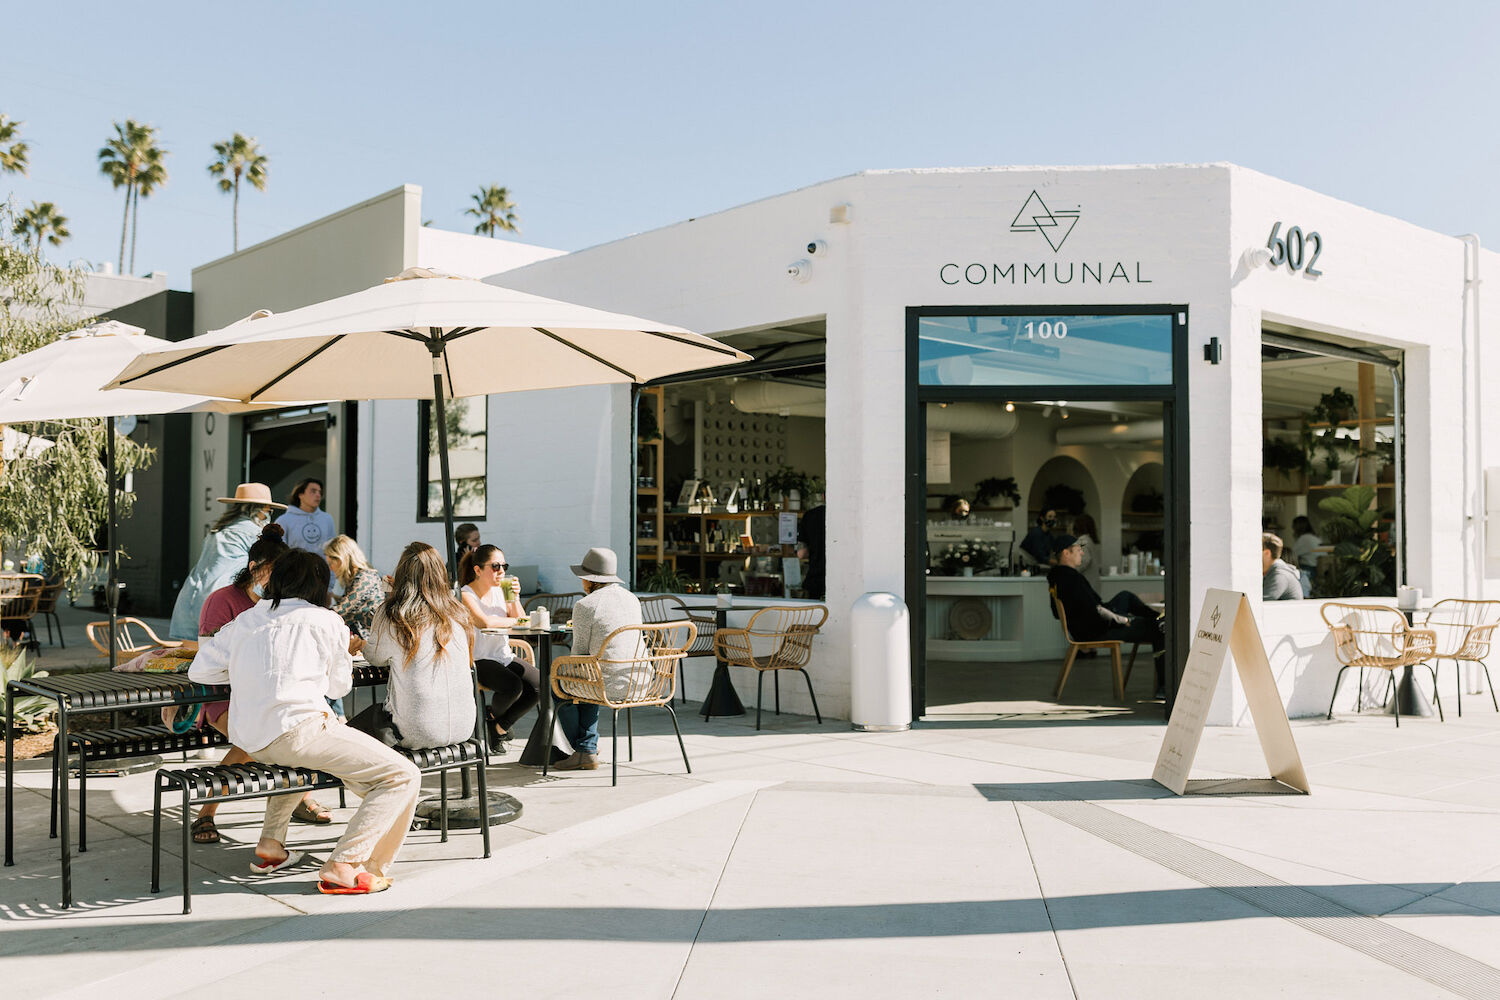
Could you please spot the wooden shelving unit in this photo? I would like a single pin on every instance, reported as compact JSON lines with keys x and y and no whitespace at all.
{"x":699,"y":560}
{"x":650,"y":505}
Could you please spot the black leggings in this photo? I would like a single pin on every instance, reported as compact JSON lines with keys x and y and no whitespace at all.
{"x":511,"y":696}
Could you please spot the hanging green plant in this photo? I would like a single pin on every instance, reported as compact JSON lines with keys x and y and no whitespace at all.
{"x":995,"y":488}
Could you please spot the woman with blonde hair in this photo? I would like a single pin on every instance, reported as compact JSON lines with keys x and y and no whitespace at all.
{"x":422,"y":633}
{"x":361,"y":583}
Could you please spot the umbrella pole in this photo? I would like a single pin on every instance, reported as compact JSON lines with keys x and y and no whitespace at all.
{"x":440,"y":415}
{"x":111,"y":593}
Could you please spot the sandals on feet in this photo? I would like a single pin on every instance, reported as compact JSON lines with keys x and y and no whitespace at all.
{"x":363,"y":885}
{"x":308,"y":814}
{"x":270,"y":867}
{"x":204,"y":831}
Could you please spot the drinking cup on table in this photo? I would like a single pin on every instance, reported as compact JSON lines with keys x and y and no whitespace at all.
{"x":508,"y":587}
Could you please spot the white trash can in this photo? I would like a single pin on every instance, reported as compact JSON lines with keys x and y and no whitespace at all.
{"x":880,"y":660}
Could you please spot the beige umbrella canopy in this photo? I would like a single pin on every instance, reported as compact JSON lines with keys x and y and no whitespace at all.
{"x":425,"y":335}
{"x":66,"y":380}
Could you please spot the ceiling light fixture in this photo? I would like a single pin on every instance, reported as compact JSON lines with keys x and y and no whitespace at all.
{"x":1010,"y":407}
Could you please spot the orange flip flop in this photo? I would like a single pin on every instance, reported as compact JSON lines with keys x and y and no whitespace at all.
{"x":363,"y":886}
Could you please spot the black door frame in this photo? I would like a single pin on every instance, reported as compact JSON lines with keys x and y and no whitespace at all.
{"x":1175,"y":452}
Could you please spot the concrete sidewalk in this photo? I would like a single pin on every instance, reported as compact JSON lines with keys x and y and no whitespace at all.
{"x":962,"y":858}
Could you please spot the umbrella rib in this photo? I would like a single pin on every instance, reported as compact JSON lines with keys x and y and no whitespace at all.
{"x":172,"y":364}
{"x":586,"y":353}
{"x":711,"y":346}
{"x":321,"y":348}
{"x":408,"y":335}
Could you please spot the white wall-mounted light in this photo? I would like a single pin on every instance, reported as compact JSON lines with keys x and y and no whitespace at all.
{"x":1256,"y":257}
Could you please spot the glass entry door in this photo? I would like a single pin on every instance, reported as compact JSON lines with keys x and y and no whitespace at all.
{"x":1018,"y":444}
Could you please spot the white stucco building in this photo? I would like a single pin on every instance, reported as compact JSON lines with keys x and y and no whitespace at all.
{"x":900,"y":300}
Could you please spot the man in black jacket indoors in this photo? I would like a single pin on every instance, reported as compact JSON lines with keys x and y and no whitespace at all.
{"x":1125,"y":616}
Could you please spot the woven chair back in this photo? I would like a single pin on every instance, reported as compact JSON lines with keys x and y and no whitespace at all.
{"x":20,"y":594}
{"x":649,"y":673}
{"x":789,"y":630}
{"x":1464,"y":628}
{"x":662,"y":608}
{"x":1372,"y":635}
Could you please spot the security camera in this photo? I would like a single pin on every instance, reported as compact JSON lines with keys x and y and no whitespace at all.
{"x":799,"y":270}
{"x":816,"y":247}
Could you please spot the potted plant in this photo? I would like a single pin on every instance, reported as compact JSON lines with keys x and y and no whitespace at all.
{"x":1362,"y":564}
{"x":646,"y":428}
{"x":988,"y":490}
{"x":792,"y":485}
{"x":663,"y":579}
{"x":1335,"y":407}
{"x":968,"y":558}
{"x":1284,"y":463}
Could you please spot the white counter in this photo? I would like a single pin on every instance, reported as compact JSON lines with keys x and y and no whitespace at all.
{"x":1021,"y":622}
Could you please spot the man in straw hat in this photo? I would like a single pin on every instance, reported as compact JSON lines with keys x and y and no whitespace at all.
{"x":606,"y":605}
{"x":225,"y":552}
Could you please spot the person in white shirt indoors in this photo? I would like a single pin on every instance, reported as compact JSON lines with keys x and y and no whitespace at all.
{"x":422,"y":633}
{"x":1279,"y":579}
{"x":1305,"y":553}
{"x":283,"y":658}
{"x":306,"y":525}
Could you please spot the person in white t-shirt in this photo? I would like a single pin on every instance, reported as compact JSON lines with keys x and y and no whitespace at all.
{"x":1304,"y":552}
{"x":513,"y":683}
{"x":307,"y":526}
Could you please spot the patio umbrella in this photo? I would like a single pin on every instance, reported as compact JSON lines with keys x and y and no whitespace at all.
{"x":425,"y":334}
{"x":66,"y":380}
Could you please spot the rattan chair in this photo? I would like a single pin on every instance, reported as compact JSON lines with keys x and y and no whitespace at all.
{"x":1378,"y":637}
{"x":20,"y":596}
{"x":669,"y":608}
{"x":46,"y":608}
{"x":784,"y":636}
{"x":1464,"y":630}
{"x":651,"y":674}
{"x":559,"y":606}
{"x":132,"y":637}
{"x":1075,"y":646}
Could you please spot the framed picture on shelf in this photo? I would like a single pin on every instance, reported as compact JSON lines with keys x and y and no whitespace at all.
{"x":688,"y":493}
{"x":728,"y":494}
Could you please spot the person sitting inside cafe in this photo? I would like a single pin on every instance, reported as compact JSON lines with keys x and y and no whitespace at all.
{"x":1279,"y":580}
{"x":1124,"y":617}
{"x":606,"y":605}
{"x":282,"y":658}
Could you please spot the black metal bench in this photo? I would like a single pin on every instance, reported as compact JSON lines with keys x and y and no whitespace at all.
{"x":119,"y":744}
{"x":199,"y":785}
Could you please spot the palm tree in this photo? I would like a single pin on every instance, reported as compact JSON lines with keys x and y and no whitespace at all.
{"x":238,"y":156}
{"x":152,"y":176}
{"x":42,"y":221}
{"x":132,"y":160}
{"x":13,"y":156}
{"x":494,"y":210}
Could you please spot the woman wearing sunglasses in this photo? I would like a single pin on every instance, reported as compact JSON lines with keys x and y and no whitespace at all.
{"x":513,"y":684}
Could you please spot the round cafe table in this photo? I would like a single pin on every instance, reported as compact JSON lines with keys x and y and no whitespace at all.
{"x":1409,"y":697}
{"x":545,"y":746}
{"x":722,"y":698}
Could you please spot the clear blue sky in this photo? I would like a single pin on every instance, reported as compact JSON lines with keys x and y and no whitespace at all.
{"x":607,"y":118}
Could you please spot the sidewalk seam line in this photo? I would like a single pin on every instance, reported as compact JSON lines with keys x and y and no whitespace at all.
{"x":708,"y":907}
{"x":1042,"y":895}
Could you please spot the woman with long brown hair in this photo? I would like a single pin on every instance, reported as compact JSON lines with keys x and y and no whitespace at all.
{"x":422,"y":633}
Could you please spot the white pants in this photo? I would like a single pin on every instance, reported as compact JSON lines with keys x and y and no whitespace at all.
{"x":388,"y":783}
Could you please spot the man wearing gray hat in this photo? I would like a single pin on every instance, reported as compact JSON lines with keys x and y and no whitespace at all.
{"x":606,"y":605}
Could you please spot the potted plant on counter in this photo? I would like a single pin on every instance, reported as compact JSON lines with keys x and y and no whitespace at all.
{"x":987,"y":491}
{"x":792,"y":486}
{"x":1285,"y":464}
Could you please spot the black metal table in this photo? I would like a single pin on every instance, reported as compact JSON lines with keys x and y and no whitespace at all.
{"x":539,"y":748}
{"x":1409,"y":699}
{"x":81,"y":694}
{"x":722,"y":698}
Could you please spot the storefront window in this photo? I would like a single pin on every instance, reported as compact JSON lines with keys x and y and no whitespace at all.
{"x":1045,"y":349}
{"x":468,"y":458}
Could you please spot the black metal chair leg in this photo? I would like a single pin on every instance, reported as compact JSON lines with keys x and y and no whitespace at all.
{"x":1437,"y":697}
{"x":760,"y":694}
{"x":1359,"y":696}
{"x":83,"y":799}
{"x":614,"y":746}
{"x":680,"y":745}
{"x":1458,"y":686}
{"x":630,"y":733}
{"x":443,"y":805}
{"x":156,"y":839}
{"x":808,"y":678}
{"x":56,"y":756}
{"x":1335,"y":696}
{"x":776,"y":687}
{"x":484,"y":803}
{"x":1491,"y":683}
{"x":187,"y":847}
{"x":463,"y":777}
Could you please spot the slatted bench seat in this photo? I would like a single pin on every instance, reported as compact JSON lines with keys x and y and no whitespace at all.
{"x":119,"y":744}
{"x":197,"y":785}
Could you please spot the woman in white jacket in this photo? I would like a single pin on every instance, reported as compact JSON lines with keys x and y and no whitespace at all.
{"x":282,"y":659}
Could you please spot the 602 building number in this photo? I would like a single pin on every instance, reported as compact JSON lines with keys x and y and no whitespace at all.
{"x":1298,"y":251}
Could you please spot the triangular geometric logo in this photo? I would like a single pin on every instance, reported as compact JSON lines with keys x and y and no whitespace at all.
{"x":1035,"y":216}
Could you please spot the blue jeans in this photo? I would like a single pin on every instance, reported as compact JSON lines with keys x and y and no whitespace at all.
{"x":580,"y":723}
